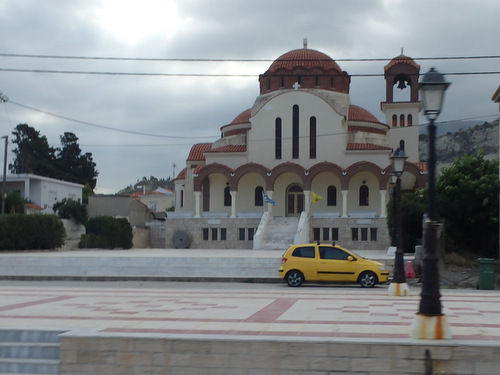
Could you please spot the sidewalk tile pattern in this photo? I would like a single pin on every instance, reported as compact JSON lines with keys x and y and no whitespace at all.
{"x":311,"y":311}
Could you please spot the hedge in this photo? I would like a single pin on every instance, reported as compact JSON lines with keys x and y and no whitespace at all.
{"x":108,"y":233}
{"x":31,"y":232}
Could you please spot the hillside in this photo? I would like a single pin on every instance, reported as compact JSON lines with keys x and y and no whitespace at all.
{"x":453,"y":145}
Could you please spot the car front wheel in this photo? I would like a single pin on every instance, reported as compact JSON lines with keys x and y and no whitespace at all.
{"x":368,"y":279}
{"x":294,"y":278}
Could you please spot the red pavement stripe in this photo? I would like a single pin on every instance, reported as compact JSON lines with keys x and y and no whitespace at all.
{"x":272,"y":311}
{"x":34,"y":303}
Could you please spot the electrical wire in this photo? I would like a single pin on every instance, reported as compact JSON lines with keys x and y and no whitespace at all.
{"x":104,"y":126}
{"x":83,"y":72}
{"x":151,"y":59}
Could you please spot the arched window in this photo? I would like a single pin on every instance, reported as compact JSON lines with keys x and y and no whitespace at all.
{"x":282,"y":81}
{"x":227,"y":197}
{"x":277,"y":138}
{"x":182,"y":198}
{"x":331,"y":196}
{"x":402,"y":120}
{"x":364,"y":195}
{"x":394,"y":121}
{"x":312,"y":137}
{"x":259,"y":200}
{"x":410,"y":120}
{"x":295,"y":132}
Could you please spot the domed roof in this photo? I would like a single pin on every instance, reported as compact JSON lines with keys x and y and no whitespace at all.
{"x":402,"y":59}
{"x":360,"y":114}
{"x":303,"y":58}
{"x":242,"y":118}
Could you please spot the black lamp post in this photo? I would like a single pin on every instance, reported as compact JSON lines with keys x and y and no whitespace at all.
{"x":398,"y":159}
{"x":432,"y":88}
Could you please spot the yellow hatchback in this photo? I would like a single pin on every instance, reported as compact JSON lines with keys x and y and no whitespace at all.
{"x":329,"y":263}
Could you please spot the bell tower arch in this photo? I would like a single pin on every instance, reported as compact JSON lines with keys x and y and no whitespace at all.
{"x":401,"y":106}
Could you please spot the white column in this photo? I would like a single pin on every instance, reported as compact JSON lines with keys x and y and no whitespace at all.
{"x":344,"y":202}
{"x":233,"y":203}
{"x":197,"y":204}
{"x":307,"y":201}
{"x":383,"y":205}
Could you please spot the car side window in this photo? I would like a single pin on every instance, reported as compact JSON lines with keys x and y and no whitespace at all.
{"x":304,"y":252}
{"x":332,"y":253}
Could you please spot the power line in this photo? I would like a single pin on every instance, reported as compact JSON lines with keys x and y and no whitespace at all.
{"x":104,"y":126}
{"x":83,"y":72}
{"x":151,"y":59}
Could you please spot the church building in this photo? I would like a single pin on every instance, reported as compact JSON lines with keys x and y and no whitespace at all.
{"x":302,"y":164}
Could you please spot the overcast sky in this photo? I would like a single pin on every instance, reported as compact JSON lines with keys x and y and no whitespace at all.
{"x":140,"y":124}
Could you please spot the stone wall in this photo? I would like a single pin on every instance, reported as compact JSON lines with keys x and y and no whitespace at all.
{"x":208,"y":233}
{"x":213,"y":233}
{"x":83,"y":355}
{"x":371,"y":233}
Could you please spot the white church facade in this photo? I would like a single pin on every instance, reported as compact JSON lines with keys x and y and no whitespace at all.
{"x":302,"y":164}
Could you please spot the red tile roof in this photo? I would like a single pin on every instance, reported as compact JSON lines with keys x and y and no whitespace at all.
{"x":401,"y":59}
{"x":242,"y":118}
{"x":366,"y":147}
{"x":229,"y":148}
{"x":181,"y":175}
{"x":360,"y":114}
{"x":196,"y":153}
{"x":304,"y":58}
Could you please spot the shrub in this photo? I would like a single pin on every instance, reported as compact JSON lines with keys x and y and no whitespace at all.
{"x":107,"y":232}
{"x":71,"y":209}
{"x":31,"y":232}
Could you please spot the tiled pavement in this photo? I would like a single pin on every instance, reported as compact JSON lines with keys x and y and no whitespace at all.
{"x":343,"y":312}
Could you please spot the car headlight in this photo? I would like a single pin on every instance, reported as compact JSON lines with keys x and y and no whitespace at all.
{"x":383,"y":267}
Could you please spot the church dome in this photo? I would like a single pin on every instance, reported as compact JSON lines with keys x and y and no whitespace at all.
{"x":239,"y":125}
{"x":306,"y":69}
{"x":303,"y":58}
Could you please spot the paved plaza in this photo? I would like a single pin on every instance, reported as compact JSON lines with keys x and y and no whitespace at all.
{"x":311,"y":311}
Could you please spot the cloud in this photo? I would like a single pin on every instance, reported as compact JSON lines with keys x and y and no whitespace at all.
{"x":221,"y":29}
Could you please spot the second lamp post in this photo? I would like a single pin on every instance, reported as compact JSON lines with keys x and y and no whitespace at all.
{"x":398,"y":287}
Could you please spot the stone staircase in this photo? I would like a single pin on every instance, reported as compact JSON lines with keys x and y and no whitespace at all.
{"x":29,"y":352}
{"x":279,"y":233}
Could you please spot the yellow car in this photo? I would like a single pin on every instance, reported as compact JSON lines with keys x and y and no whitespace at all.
{"x":322,"y":262}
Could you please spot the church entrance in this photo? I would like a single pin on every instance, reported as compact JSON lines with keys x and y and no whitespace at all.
{"x":294,"y":201}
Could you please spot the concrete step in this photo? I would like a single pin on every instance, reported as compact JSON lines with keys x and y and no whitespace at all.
{"x":28,"y":366}
{"x":29,"y":352}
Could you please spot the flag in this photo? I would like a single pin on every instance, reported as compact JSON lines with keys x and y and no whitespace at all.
{"x":267,"y":199}
{"x":315,"y":197}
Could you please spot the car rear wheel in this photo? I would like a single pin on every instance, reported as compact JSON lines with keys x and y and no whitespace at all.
{"x":294,"y":278}
{"x":368,"y":279}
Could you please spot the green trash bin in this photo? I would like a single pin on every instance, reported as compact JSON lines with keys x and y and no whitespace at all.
{"x":486,"y":273}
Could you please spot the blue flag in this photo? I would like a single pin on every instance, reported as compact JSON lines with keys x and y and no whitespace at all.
{"x":267,"y":199}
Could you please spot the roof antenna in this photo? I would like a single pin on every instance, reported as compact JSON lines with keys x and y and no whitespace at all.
{"x":305,"y":43}
{"x":401,"y":51}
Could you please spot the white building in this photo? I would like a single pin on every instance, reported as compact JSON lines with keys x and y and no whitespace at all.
{"x":43,"y":191}
{"x":301,"y":139}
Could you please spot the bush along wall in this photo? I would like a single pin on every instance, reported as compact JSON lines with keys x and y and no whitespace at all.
{"x":31,"y":232}
{"x":107,"y":232}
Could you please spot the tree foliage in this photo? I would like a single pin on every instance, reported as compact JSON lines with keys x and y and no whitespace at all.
{"x":71,"y":209}
{"x":34,"y":155}
{"x":412,"y":212}
{"x":467,"y":198}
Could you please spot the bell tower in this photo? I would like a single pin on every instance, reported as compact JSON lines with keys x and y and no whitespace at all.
{"x":401,"y":106}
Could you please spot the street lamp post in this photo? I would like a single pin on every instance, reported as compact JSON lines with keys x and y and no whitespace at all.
{"x":4,"y":173}
{"x":430,"y":322}
{"x":398,"y":287}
